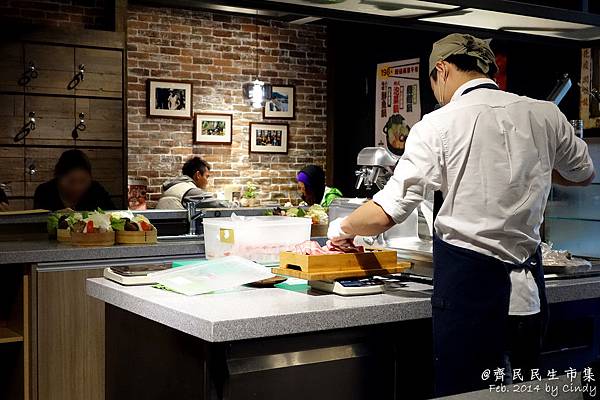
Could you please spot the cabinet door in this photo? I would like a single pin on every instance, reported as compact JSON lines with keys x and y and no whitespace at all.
{"x":11,"y":66}
{"x":12,"y":174}
{"x":103,"y":121}
{"x":107,"y":167}
{"x":11,"y":117}
{"x":55,"y":65}
{"x":70,"y":337}
{"x":103,"y":72}
{"x":55,"y":119}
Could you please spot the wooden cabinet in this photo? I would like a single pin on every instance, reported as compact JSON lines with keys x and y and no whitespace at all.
{"x":12,"y":117}
{"x":11,"y":66}
{"x":54,"y":65}
{"x":57,"y":93}
{"x":70,"y":337}
{"x":103,"y":72}
{"x":14,"y":333}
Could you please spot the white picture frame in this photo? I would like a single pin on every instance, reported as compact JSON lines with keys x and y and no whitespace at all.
{"x":282,"y":104}
{"x":169,"y":99}
{"x":269,"y":138}
{"x":213,"y":128}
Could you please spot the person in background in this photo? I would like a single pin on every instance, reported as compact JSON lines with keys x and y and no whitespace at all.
{"x":3,"y":201}
{"x":72,"y":186}
{"x":311,"y":183}
{"x":190,"y":186}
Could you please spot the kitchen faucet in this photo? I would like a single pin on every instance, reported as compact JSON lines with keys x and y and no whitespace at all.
{"x":193,"y":214}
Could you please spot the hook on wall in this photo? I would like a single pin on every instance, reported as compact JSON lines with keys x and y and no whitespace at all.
{"x":29,"y":74}
{"x":78,"y":78}
{"x":79,"y":127}
{"x":27,"y":128}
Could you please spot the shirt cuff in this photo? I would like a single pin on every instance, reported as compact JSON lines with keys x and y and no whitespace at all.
{"x":390,"y":206}
{"x":579,"y":175}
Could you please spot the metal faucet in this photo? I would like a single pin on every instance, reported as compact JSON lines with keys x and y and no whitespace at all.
{"x":193,"y":214}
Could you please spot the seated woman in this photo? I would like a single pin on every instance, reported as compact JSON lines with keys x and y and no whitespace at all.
{"x":311,"y":182}
{"x":72,"y":186}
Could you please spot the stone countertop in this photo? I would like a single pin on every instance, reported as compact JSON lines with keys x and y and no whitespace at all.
{"x":252,"y":313}
{"x":47,"y":251}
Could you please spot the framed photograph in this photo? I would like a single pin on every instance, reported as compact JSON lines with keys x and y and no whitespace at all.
{"x":169,"y":99}
{"x":268,"y":138}
{"x":282,"y":104}
{"x":212,"y":128}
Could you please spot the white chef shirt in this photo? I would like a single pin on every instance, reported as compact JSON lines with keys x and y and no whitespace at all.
{"x":491,"y":153}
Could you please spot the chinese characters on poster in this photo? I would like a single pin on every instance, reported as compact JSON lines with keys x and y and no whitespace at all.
{"x":397,"y":105}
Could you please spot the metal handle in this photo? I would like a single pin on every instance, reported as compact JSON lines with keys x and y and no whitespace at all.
{"x":78,"y":78}
{"x":27,"y":128}
{"x":31,"y":168}
{"x":80,"y":126}
{"x":30,"y":73}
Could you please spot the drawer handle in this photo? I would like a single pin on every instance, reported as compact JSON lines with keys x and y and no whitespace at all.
{"x":78,"y":78}
{"x":30,"y":73}
{"x":26,"y":129}
{"x":80,"y":126}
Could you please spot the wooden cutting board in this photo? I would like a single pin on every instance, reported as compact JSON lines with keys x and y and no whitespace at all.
{"x":334,"y":266}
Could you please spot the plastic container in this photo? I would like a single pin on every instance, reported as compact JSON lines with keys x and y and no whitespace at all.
{"x":259,"y":239}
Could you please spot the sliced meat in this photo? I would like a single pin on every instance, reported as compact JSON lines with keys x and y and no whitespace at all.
{"x":312,"y":248}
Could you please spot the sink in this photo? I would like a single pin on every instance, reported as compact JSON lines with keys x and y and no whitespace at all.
{"x":176,"y":238}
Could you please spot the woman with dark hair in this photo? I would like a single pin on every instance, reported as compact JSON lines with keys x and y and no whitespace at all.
{"x":72,"y":186}
{"x":311,"y":183}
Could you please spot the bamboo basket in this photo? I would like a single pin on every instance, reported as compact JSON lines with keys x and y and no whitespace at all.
{"x":63,"y":235}
{"x":137,"y":237}
{"x":93,"y":239}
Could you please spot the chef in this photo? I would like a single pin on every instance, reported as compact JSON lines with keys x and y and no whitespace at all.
{"x":493,"y":156}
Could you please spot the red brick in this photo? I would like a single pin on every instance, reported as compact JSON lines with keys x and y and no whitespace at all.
{"x":218,"y":65}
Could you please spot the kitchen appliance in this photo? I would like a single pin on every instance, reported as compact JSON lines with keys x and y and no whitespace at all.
{"x":411,"y":238}
{"x":376,"y":167}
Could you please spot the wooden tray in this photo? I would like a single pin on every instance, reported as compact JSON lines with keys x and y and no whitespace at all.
{"x":137,"y":237}
{"x":63,"y":235}
{"x":334,"y":266}
{"x":93,"y":239}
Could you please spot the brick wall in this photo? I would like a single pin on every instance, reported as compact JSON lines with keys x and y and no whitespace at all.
{"x":216,"y":53}
{"x":70,"y":14}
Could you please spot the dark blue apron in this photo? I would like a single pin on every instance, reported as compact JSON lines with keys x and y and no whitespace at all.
{"x":470,"y":303}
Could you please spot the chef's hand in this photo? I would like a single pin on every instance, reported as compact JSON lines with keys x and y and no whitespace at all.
{"x":336,"y":234}
{"x":4,"y":207}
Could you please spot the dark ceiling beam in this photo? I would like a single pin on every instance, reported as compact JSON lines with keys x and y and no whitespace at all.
{"x":412,"y":22}
{"x":531,"y":10}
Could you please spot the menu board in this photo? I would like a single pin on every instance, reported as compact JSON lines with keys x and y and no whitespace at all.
{"x":397,"y":105}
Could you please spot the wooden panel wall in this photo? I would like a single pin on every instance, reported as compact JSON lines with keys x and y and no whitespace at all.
{"x":57,"y":96}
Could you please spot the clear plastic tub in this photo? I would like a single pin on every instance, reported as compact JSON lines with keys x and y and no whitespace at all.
{"x":259,"y":239}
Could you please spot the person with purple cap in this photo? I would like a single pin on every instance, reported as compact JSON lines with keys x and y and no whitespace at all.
{"x":311,"y":183}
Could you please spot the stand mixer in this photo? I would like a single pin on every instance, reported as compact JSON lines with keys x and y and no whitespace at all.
{"x":411,"y":238}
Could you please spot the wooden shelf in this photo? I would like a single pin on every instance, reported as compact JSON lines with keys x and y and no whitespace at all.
{"x":9,"y":336}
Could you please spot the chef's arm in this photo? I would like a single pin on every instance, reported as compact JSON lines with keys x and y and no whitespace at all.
{"x":573,"y":165}
{"x":368,"y":220}
{"x":558,"y":179}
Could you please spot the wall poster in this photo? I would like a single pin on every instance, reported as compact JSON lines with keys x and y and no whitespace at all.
{"x":397,"y":105}
{"x":589,"y":107}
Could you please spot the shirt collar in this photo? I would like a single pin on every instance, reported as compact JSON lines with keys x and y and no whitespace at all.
{"x":470,"y":84}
